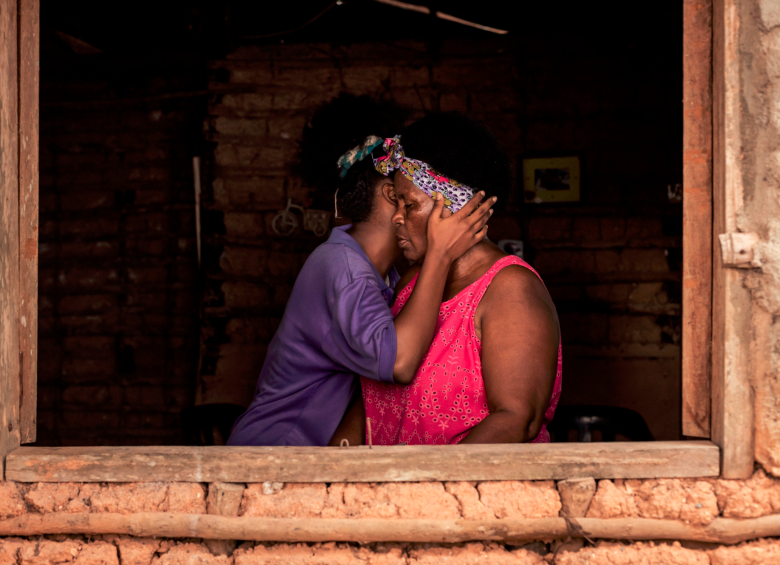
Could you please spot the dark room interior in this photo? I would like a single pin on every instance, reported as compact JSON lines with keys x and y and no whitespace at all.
{"x":154,"y":307}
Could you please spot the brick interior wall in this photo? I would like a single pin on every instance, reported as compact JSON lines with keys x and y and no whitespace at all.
{"x":119,"y":289}
{"x":612,"y":262}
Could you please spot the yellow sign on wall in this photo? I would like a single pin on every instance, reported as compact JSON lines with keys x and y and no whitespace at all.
{"x":554,"y":179}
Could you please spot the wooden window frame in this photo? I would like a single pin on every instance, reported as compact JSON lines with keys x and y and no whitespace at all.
{"x":710,"y":354}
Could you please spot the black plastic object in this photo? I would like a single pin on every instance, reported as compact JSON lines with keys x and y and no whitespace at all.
{"x":609,"y":420}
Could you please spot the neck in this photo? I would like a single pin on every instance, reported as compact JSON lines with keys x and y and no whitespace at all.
{"x":379,"y":243}
{"x":473,"y":262}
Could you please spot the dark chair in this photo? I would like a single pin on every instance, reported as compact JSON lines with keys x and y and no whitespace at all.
{"x":209,"y":424}
{"x":609,"y":420}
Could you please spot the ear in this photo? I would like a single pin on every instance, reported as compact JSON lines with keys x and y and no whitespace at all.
{"x":388,"y":193}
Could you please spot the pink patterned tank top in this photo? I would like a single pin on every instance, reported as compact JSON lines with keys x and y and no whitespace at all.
{"x":446,"y":398}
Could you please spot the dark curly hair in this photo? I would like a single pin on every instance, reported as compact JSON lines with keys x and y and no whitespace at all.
{"x":462,"y":149}
{"x":336,"y":127}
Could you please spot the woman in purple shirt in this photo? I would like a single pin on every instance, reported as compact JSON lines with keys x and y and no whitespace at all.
{"x":338,"y":324}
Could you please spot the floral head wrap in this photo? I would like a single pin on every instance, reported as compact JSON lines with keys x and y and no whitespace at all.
{"x":358,"y":153}
{"x":456,"y":195}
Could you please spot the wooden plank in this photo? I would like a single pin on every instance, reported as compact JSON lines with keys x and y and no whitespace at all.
{"x":697,"y":217}
{"x":9,"y":234}
{"x":29,"y":58}
{"x":733,"y":408}
{"x":292,"y":530}
{"x":363,"y":464}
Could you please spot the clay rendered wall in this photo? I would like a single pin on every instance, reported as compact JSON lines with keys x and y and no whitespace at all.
{"x":692,"y":502}
{"x":759,"y":41}
{"x":612,"y":262}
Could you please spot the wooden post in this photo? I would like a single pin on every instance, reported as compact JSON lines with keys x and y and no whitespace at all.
{"x":224,"y":500}
{"x":9,"y":233}
{"x":732,"y":395}
{"x":366,"y":530}
{"x":29,"y":63}
{"x":697,"y":217}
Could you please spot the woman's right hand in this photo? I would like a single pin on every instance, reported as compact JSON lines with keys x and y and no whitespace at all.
{"x":451,"y":235}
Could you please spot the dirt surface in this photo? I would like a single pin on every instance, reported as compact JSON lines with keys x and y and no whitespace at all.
{"x":293,"y":501}
{"x":611,"y":501}
{"x":122,"y":550}
{"x":127,"y":498}
{"x":757,"y":496}
{"x":760,"y":552}
{"x":634,"y":554}
{"x":11,"y":502}
{"x":521,"y":499}
{"x":190,"y":554}
{"x":690,"y":500}
{"x":136,"y":551}
{"x":450,"y":501}
{"x":471,"y":507}
{"x":474,"y":553}
{"x":394,"y":500}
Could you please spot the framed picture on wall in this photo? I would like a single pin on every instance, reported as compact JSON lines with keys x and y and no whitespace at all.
{"x":552,"y":179}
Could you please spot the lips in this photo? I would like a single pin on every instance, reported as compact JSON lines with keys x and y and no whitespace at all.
{"x":402,"y":242}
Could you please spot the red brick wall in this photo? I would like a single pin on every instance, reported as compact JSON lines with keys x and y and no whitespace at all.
{"x":119,"y":288}
{"x":611,"y":262}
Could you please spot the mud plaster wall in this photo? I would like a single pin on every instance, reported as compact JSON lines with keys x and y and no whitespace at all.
{"x":695,"y":501}
{"x":759,"y":67}
{"x":116,"y":550}
{"x":612,"y":263}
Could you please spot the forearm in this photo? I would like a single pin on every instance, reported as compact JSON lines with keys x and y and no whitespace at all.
{"x":416,"y":323}
{"x":504,"y":426}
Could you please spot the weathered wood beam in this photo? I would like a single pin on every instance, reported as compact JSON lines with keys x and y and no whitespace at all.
{"x":211,"y":527}
{"x":29,"y":63}
{"x":9,"y":232}
{"x":733,"y":409}
{"x":362,"y":464}
{"x":697,"y":217}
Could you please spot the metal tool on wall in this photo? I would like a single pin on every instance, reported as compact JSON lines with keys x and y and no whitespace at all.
{"x":286,"y":222}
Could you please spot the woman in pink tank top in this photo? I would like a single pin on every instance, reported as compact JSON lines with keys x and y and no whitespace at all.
{"x":447,"y":397}
{"x":493,"y":371}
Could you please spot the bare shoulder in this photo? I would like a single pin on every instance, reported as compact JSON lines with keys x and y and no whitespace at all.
{"x":516,"y":288}
{"x":514,"y":279}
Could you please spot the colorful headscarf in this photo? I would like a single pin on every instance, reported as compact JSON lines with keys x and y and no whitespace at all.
{"x":456,"y":195}
{"x":358,"y":153}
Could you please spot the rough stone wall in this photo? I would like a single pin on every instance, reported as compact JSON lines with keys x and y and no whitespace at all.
{"x":612,"y":263}
{"x":694,"y":501}
{"x":118,"y":306}
{"x":759,"y":60}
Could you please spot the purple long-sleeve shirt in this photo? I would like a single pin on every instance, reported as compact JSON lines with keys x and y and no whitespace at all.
{"x":337,"y":324}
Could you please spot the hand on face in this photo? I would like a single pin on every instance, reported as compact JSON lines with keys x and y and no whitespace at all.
{"x":424,"y":225}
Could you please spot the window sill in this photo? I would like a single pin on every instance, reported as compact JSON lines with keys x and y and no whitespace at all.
{"x":662,"y":459}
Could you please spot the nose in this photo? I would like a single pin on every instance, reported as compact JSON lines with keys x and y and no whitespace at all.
{"x":398,"y":217}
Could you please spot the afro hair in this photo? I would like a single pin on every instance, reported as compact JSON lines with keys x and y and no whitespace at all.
{"x":462,"y":149}
{"x":336,"y":127}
